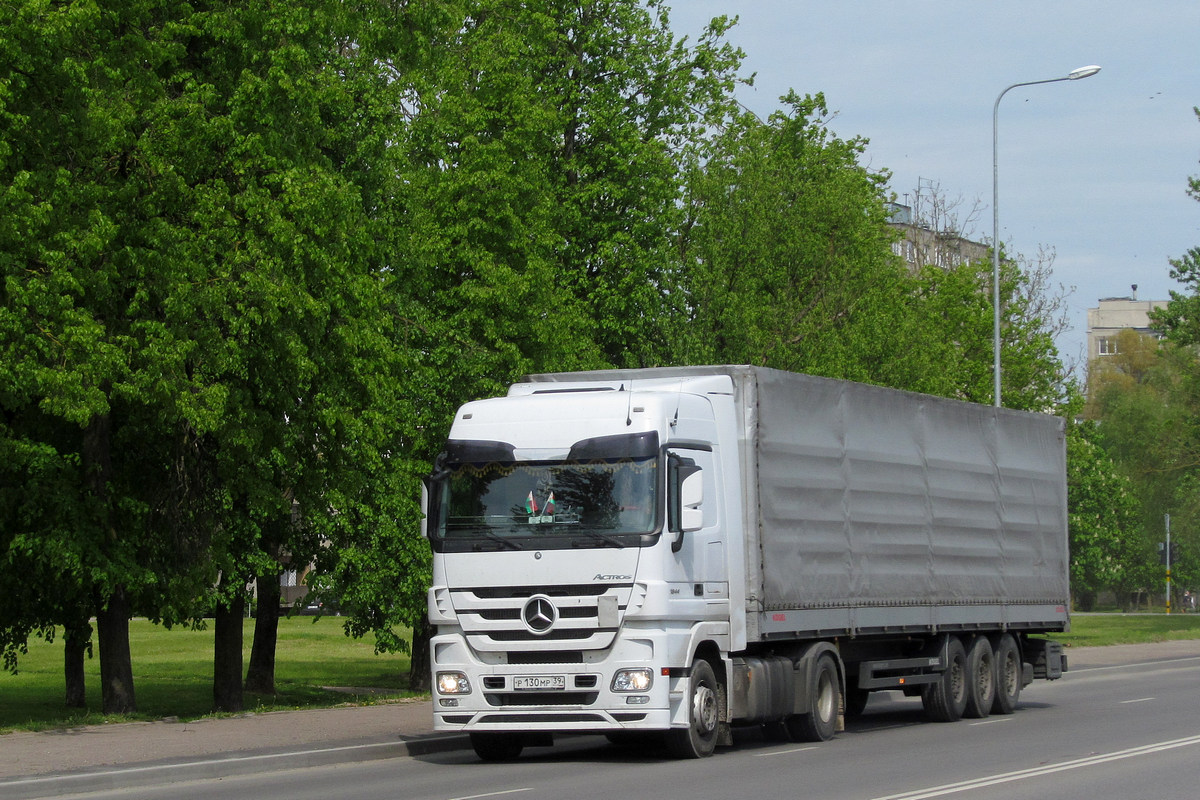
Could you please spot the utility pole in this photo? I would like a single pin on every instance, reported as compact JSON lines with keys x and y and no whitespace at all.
{"x":1167,"y":521}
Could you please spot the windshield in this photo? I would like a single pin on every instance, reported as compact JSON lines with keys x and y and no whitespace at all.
{"x":526,"y":503}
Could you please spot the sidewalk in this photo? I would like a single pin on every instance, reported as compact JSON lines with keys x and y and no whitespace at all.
{"x":107,"y":756}
{"x":95,"y":757}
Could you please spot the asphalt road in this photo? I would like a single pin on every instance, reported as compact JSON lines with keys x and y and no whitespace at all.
{"x":1119,"y":732}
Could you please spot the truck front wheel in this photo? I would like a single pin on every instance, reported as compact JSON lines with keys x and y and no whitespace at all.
{"x":824,"y":699}
{"x":699,"y":738}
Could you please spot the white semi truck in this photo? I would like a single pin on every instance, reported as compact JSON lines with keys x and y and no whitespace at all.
{"x":683,"y":550}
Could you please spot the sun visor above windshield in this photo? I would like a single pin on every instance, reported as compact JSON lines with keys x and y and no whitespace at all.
{"x":470,"y":451}
{"x":620,"y":446}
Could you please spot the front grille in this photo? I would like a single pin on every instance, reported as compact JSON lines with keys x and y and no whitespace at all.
{"x":545,"y":657}
{"x":585,"y":617}
{"x":541,"y":698}
{"x":530,"y":718}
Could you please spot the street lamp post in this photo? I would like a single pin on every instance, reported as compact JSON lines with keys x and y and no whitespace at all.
{"x":1074,"y":75}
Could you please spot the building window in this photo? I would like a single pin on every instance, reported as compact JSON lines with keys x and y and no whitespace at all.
{"x":1107,"y":346}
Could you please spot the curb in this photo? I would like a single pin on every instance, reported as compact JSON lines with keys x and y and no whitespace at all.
{"x":216,"y":767}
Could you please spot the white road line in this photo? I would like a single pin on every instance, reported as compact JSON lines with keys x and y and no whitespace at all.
{"x":1139,"y":700}
{"x":992,"y":721}
{"x":784,"y":752}
{"x":494,"y":794}
{"x":1048,"y":769}
{"x":199,"y":762}
{"x":1075,"y":670}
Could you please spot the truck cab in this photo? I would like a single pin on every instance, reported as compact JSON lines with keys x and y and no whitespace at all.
{"x":581,"y":558}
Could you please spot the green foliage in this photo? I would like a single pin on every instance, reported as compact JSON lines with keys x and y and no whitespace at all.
{"x":1147,"y":397}
{"x":1107,"y":552}
{"x":193,"y":288}
{"x":790,"y":264}
{"x":252,"y":256}
{"x":788,"y":255}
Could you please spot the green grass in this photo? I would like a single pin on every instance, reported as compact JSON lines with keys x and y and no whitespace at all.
{"x":172,"y":675}
{"x":1107,"y":629}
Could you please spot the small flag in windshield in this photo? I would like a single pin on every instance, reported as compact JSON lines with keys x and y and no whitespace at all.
{"x":549,"y":509}
{"x":530,"y":504}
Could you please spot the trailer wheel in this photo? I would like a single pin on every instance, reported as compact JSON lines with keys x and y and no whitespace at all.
{"x":699,"y":738}
{"x":946,"y":700}
{"x":981,"y":679}
{"x":1008,"y":675}
{"x":497,"y":746}
{"x":824,"y":700}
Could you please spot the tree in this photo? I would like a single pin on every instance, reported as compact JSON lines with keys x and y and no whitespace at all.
{"x":537,"y":191}
{"x":1145,"y":398}
{"x":787,"y":254}
{"x":1107,"y":551}
{"x":197,"y":317}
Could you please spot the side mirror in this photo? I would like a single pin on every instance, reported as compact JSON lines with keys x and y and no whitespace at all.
{"x":685,"y":487}
{"x":691,"y":497}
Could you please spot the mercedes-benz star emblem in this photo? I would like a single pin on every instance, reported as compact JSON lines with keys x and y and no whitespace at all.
{"x":539,"y":614}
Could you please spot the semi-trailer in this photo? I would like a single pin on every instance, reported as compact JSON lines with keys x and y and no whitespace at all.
{"x":684,"y":550}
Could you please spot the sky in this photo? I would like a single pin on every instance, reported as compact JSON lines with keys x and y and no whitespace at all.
{"x":1094,"y":169}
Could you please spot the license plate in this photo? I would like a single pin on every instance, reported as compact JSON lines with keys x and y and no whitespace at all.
{"x":539,"y":682}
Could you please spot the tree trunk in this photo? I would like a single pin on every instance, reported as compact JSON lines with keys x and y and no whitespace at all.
{"x":113,"y":611}
{"x":419,"y":677}
{"x":116,"y":665}
{"x":260,"y":677}
{"x":227,"y":656}
{"x":77,"y":637}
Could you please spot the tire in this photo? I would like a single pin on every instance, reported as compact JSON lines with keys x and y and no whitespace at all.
{"x":699,"y":738}
{"x":1008,"y":675}
{"x":497,"y":746}
{"x":981,"y":679}
{"x":819,"y":724}
{"x":946,"y":700}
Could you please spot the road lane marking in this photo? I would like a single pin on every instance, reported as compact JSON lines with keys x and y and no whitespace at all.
{"x":991,"y":721}
{"x":1048,"y":769}
{"x":1139,"y":700}
{"x":494,"y":794}
{"x":198,"y":762}
{"x":1075,"y":670}
{"x":784,"y":752}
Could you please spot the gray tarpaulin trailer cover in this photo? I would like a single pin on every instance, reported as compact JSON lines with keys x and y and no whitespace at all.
{"x":869,"y":510}
{"x":886,"y":509}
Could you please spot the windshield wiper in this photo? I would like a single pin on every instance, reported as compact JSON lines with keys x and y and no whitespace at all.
{"x":604,"y":537}
{"x":504,"y":540}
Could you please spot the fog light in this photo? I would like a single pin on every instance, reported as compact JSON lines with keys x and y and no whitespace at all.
{"x":637,"y":700}
{"x":448,"y":702}
{"x":453,"y":683}
{"x":633,"y":680}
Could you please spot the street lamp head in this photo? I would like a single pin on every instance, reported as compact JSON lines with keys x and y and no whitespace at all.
{"x":1083,"y":72}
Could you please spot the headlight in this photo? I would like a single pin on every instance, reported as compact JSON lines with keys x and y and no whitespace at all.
{"x":633,"y":680}
{"x":453,"y":683}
